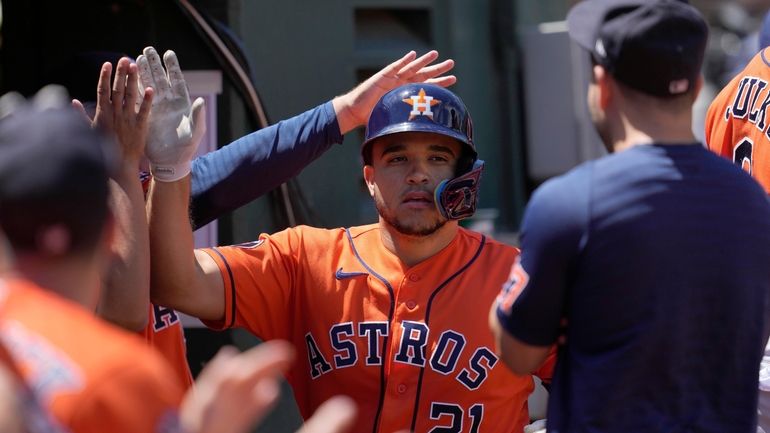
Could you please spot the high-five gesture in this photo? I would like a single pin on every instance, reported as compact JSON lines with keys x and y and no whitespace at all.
{"x":353,"y":108}
{"x":176,"y":125}
{"x":122,"y":110}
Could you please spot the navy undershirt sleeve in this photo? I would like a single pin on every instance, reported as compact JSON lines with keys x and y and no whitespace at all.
{"x":247,"y":168}
{"x":552,"y":232}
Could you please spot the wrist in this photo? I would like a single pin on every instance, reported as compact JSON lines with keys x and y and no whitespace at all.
{"x":170,"y":172}
{"x":346,"y":119}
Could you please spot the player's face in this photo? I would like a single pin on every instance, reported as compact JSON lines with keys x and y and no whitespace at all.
{"x":405,"y":170}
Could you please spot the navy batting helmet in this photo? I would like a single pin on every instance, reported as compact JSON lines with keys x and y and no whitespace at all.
{"x":419,"y":107}
{"x":427,"y":108}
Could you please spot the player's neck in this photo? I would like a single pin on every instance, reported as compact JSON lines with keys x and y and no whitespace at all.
{"x":412,"y":250}
{"x":640,"y":128}
{"x":72,"y":278}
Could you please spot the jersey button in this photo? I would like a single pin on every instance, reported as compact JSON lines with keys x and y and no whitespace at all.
{"x":401,"y":388}
{"x":410,"y":304}
{"x":414,"y":278}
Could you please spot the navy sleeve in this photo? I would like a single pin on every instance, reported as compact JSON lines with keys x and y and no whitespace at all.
{"x":552,"y":233}
{"x":240,"y":172}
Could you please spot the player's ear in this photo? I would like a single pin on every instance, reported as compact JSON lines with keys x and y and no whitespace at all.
{"x":369,"y":178}
{"x":603,"y":81}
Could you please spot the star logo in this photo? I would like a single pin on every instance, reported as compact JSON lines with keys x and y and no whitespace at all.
{"x":421,"y":104}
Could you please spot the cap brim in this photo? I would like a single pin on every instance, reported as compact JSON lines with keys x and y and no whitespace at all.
{"x":585,"y":18}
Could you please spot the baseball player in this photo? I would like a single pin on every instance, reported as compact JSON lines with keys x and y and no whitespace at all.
{"x":273,"y":155}
{"x":125,"y":298}
{"x":651,"y":262}
{"x":737,"y":128}
{"x":386,"y":313}
{"x":91,"y":376}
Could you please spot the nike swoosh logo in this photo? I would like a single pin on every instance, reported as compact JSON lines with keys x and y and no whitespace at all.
{"x":343,"y":275}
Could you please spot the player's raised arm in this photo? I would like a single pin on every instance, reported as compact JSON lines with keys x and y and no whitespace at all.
{"x":125,"y":294}
{"x":353,"y":108}
{"x":176,"y":128}
{"x":273,"y":155}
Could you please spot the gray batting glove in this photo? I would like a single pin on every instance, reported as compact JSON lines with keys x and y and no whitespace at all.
{"x":176,"y":125}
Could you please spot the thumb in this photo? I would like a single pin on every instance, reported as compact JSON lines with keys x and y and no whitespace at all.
{"x":199,"y":110}
{"x":78,"y":106}
{"x":199,"y":117}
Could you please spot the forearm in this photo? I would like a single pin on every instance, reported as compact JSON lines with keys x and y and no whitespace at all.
{"x":126,"y":292}
{"x":253,"y":165}
{"x":171,"y":242}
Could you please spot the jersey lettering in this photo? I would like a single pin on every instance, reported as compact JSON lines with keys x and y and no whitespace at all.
{"x":481,"y":362}
{"x":761,"y":116}
{"x":163,"y":317}
{"x":753,"y":113}
{"x":450,"y":345}
{"x":750,"y":89}
{"x":454,"y":414}
{"x":373,"y":331}
{"x":413,"y":341}
{"x":318,"y":365}
{"x":742,"y":154}
{"x":741,"y":102}
{"x":340,"y":343}
{"x":444,"y":358}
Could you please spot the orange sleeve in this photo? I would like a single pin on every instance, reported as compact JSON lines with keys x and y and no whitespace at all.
{"x":141,"y":396}
{"x":545,"y":372}
{"x":258,"y":282}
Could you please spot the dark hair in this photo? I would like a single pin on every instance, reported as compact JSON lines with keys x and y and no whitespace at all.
{"x":83,"y":214}
{"x":54,"y":170}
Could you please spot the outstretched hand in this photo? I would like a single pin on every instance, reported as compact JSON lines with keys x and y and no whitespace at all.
{"x":236,"y":390}
{"x":176,"y":125}
{"x":121,"y":110}
{"x":353,"y":108}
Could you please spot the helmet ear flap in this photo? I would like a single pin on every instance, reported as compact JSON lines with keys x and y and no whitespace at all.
{"x":457,"y":198}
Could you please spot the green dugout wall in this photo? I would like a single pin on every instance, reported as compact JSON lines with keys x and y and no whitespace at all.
{"x":305,"y":52}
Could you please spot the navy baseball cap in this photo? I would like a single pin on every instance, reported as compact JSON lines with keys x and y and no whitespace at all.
{"x":54,"y":170}
{"x":653,"y":46}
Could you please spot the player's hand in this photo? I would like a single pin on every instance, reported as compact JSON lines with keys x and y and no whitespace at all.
{"x":335,"y":415}
{"x":353,"y":108}
{"x":536,"y":427}
{"x":176,"y":125}
{"x":236,"y":390}
{"x":120,"y":110}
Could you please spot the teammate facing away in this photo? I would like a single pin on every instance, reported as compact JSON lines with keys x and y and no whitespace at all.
{"x":737,"y":128}
{"x":386,"y":313}
{"x":91,"y":376}
{"x":657,"y":256}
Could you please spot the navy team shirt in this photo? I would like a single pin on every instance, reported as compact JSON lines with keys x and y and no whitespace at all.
{"x":257,"y":163}
{"x":659,"y":259}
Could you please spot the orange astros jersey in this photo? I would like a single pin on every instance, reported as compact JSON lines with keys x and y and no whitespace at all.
{"x":164,"y":332}
{"x":92,"y":376}
{"x":411,"y":345}
{"x":738,"y":121}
